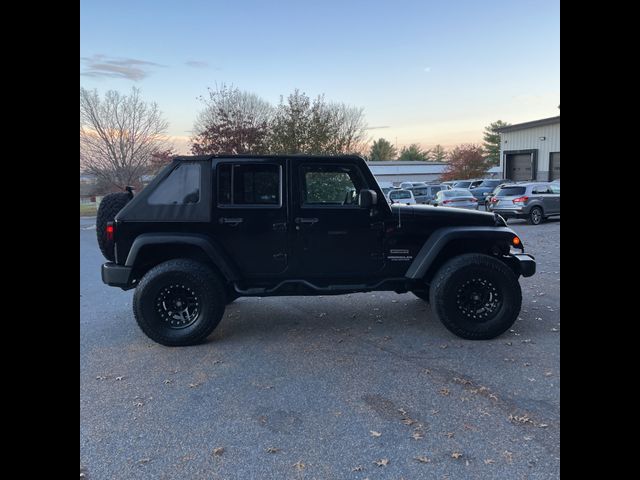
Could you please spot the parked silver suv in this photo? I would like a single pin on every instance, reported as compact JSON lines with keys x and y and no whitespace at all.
{"x":534,"y":201}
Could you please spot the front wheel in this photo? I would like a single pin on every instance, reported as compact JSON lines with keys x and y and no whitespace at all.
{"x":179,"y":302}
{"x":476,"y":296}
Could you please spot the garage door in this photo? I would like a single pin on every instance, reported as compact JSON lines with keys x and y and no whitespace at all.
{"x":519,"y":167}
{"x":554,"y":170}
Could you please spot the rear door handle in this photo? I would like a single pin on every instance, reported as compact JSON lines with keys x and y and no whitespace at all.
{"x":230,"y":221}
{"x":308,"y":221}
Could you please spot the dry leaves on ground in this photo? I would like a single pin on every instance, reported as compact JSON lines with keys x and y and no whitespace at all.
{"x":383,"y":462}
{"x":218,"y":451}
{"x":374,"y":433}
{"x":456,"y":455}
{"x":299,"y":465}
{"x":273,"y":450}
{"x":423,"y":459}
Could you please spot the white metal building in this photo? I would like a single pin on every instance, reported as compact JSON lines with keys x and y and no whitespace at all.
{"x":531,"y":150}
{"x":395,"y":172}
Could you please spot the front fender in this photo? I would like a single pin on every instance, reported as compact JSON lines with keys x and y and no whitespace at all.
{"x":441,"y":237}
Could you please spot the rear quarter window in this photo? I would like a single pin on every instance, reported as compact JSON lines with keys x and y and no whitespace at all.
{"x":181,"y":187}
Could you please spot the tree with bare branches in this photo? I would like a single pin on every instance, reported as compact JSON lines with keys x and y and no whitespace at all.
{"x":119,"y":135}
{"x":232,"y":122}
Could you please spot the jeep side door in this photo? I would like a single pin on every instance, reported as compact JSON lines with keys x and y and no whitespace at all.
{"x":332,"y":235}
{"x":250,"y":214}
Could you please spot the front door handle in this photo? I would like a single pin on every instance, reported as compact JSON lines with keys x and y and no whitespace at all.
{"x":230,"y":221}
{"x":307,"y":221}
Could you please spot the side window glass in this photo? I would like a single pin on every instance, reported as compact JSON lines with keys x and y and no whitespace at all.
{"x":330,"y":185}
{"x":181,"y":187}
{"x":248,"y":185}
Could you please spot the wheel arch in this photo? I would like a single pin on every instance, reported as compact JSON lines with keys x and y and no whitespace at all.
{"x":150,"y":249}
{"x":448,"y":242}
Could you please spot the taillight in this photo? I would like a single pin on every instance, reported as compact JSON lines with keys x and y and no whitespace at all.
{"x":494,"y":199}
{"x":109,"y":231}
{"x":446,"y":201}
{"x":520,"y":199}
{"x":474,"y":200}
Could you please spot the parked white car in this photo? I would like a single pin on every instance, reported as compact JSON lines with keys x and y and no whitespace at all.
{"x":402,"y":196}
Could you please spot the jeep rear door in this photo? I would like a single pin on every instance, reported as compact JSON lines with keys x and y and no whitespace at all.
{"x":250,"y":215}
{"x":332,"y":235}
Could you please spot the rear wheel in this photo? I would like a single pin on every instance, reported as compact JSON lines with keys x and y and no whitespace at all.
{"x":535,"y":216}
{"x":476,"y":296}
{"x":179,"y":302}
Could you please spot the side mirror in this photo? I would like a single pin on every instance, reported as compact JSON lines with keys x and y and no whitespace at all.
{"x":367,"y":198}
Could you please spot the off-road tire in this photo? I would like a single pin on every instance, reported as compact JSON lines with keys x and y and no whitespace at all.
{"x":535,"y":216}
{"x":207,"y":288}
{"x":109,"y":207}
{"x":454,"y":287}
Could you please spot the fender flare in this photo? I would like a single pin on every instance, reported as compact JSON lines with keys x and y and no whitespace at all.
{"x":442,"y":236}
{"x":206,"y":244}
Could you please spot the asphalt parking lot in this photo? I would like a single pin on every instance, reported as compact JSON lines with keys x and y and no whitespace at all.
{"x":359,"y":386}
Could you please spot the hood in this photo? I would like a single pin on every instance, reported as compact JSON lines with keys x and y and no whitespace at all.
{"x":447,"y":216}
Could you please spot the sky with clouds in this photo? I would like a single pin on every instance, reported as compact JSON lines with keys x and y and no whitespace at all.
{"x":425,"y":71}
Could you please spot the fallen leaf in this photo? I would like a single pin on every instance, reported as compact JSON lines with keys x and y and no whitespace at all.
{"x":299,"y":465}
{"x":408,"y":421}
{"x":119,"y":378}
{"x":444,"y":391}
{"x":218,"y":451}
{"x":493,"y":396}
{"x":383,"y":462}
{"x":374,"y":433}
{"x":167,"y":381}
{"x":273,"y":450}
{"x":101,"y":377}
{"x":144,"y":460}
{"x":520,"y":419}
{"x":508,"y":455}
{"x":402,"y":411}
{"x":489,"y":461}
{"x":449,"y":434}
{"x":138,"y":404}
{"x":357,"y":469}
{"x":423,"y":459}
{"x":456,"y":455}
{"x":548,"y":374}
{"x":543,"y":425}
{"x":417,"y":436}
{"x":194,"y":385}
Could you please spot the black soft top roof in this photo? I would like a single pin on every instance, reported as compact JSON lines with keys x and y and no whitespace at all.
{"x":196,"y":158}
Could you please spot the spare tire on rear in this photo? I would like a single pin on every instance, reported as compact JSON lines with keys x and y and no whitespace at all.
{"x":109,"y":207}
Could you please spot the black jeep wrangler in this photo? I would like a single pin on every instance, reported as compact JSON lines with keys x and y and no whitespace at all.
{"x":209,"y":229}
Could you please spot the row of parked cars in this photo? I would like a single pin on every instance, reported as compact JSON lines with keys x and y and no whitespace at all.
{"x":533,"y":201}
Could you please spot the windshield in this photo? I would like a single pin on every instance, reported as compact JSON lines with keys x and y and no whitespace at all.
{"x":395,"y":195}
{"x":510,"y":191}
{"x":462,"y":185}
{"x":490,"y":183}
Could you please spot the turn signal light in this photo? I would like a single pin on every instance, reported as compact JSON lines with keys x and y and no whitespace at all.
{"x":516,"y":241}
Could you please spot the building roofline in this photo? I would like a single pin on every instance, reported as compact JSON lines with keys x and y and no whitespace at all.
{"x":532,"y":124}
